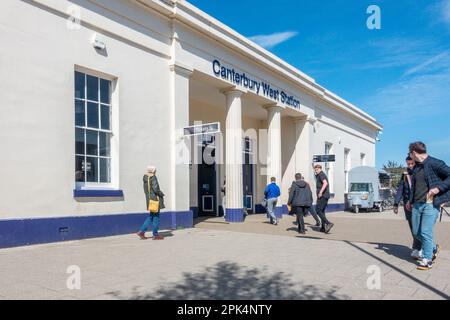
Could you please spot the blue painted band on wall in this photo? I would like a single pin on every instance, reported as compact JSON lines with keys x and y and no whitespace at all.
{"x":195,"y":211}
{"x":335,"y":207}
{"x":14,"y":233}
{"x":97,"y":193}
{"x":278,"y":212}
{"x":260,"y":209}
{"x":234,"y":215}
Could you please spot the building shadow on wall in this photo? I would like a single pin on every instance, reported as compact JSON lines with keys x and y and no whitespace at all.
{"x":230,"y":281}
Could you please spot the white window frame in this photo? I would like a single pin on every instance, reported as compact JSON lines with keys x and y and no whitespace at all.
{"x":114,"y":130}
{"x":347,"y":166}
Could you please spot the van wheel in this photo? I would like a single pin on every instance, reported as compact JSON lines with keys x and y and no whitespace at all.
{"x":356,"y":209}
{"x":380,"y":209}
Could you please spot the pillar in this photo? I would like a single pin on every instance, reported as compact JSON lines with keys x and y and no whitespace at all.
{"x":304,"y":127}
{"x":180,"y":147}
{"x":274,"y":165}
{"x":233,"y":156}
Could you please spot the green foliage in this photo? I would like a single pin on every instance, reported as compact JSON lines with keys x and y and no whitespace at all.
{"x":396,"y":171}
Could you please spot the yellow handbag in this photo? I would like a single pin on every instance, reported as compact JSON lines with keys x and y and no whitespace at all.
{"x":153,"y":205}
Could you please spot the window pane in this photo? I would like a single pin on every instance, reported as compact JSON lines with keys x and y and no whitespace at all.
{"x":105,"y":144}
{"x":79,"y":85}
{"x":79,"y":169}
{"x":92,"y":169}
{"x":105,"y":91}
{"x":105,"y":176}
{"x":92,"y":88}
{"x":79,"y":141}
{"x":92,"y":116}
{"x":106,"y":122}
{"x":79,"y":113}
{"x":92,"y":142}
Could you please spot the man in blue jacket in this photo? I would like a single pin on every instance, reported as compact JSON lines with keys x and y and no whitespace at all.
{"x":271,"y":194}
{"x":430,"y":190}
{"x":403,"y":191}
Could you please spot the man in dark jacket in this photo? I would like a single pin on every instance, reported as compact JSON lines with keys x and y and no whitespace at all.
{"x":430,"y":190}
{"x":323,"y":195}
{"x":300,"y":199}
{"x":403,"y":192}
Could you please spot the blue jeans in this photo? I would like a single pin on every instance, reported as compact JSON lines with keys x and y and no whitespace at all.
{"x":271,"y":205}
{"x":153,"y":219}
{"x":424,"y":217}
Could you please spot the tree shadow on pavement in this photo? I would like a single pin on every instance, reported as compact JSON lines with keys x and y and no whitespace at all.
{"x":230,"y":281}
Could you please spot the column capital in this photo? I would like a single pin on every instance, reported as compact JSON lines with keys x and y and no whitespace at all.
{"x":181,"y":69}
{"x":235,"y":91}
{"x":306,"y":118}
{"x":273,"y":107}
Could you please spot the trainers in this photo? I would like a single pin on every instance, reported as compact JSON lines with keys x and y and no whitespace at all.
{"x":141,"y":235}
{"x":416,"y":254}
{"x":328,"y":227}
{"x":436,"y":252}
{"x":425,"y":264}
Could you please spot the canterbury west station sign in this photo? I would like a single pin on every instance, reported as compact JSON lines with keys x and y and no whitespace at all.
{"x":258,"y":87}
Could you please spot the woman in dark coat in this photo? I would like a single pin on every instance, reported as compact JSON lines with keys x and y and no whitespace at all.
{"x":153,"y":192}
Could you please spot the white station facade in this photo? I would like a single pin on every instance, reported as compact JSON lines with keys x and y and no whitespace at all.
{"x":92,"y":92}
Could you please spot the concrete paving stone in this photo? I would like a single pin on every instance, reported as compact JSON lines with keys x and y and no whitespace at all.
{"x":396,"y":289}
{"x":394,"y":296}
{"x":442,"y":266}
{"x":87,"y":291}
{"x":426,"y":294}
{"x":392,"y":278}
{"x":415,"y":281}
{"x":342,"y":282}
{"x":27,"y":291}
{"x":106,"y":279}
{"x":357,"y":293}
{"x":330,"y":264}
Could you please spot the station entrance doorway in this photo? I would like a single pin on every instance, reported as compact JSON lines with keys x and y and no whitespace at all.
{"x":248,"y":179}
{"x":207,"y":177}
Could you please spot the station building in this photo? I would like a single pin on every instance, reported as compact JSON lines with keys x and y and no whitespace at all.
{"x":92,"y":92}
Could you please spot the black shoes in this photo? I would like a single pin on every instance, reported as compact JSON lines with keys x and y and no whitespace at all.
{"x":328,"y":227}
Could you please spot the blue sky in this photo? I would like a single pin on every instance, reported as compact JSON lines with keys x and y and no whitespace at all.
{"x":400,"y":74}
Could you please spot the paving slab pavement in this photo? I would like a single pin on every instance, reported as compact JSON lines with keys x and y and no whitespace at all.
{"x":216,"y":260}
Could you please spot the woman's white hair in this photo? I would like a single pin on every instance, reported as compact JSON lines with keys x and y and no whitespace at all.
{"x":151,"y":169}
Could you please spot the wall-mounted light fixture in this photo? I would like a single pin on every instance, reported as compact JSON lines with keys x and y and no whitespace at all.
{"x":97,"y":43}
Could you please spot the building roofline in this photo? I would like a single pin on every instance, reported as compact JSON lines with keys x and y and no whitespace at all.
{"x":194,"y":17}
